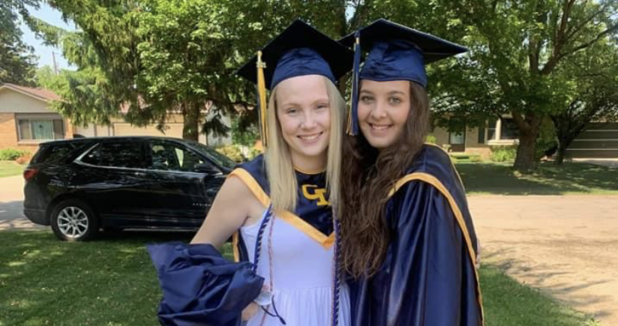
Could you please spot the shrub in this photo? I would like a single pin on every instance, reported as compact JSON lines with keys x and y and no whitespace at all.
{"x":430,"y":139}
{"x":232,"y":151}
{"x":503,"y":153}
{"x":11,"y":154}
{"x":476,"y":159}
{"x":244,"y":137}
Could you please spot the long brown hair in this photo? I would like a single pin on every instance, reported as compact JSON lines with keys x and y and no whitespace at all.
{"x":368,"y":175}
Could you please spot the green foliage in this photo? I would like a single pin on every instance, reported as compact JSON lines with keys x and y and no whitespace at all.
{"x":245,"y":137}
{"x":503,"y":153}
{"x":17,"y":59}
{"x":232,"y":151}
{"x":476,"y":159}
{"x":547,"y":138}
{"x":11,"y":154}
{"x":517,"y":50}
{"x":239,"y":153}
{"x":430,"y":139}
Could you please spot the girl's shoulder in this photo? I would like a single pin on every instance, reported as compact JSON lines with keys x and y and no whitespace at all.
{"x":434,"y":166}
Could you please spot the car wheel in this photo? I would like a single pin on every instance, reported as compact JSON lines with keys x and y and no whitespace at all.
{"x":74,"y":220}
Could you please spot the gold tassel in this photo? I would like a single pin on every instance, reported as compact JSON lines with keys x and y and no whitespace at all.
{"x":262,"y":97}
{"x":354,"y":82}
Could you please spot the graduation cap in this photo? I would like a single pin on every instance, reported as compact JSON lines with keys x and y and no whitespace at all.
{"x":396,"y":52}
{"x":298,"y":51}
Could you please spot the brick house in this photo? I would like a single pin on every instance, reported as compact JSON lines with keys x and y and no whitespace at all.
{"x":26,"y":120}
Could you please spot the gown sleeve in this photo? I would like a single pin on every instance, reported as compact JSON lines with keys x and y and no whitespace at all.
{"x":200,"y":287}
{"x":430,"y":273}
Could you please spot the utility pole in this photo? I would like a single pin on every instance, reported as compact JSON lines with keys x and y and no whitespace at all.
{"x":54,"y":60}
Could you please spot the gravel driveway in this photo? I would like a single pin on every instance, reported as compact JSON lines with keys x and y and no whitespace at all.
{"x":567,"y":246}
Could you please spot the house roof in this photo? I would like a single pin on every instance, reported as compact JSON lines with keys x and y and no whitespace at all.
{"x":39,"y":93}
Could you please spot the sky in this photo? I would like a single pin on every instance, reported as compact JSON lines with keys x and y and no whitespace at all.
{"x":53,"y":17}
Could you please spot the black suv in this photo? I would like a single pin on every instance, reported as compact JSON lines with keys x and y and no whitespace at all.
{"x":78,"y":186}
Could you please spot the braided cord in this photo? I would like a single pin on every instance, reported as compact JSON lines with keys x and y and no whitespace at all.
{"x":336,"y":273}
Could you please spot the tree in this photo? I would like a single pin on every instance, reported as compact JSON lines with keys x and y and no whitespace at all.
{"x":17,"y":61}
{"x":516,"y":50}
{"x":594,"y":94}
{"x":156,"y":56}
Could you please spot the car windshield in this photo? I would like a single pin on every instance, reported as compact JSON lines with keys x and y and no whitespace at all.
{"x":219,"y":158}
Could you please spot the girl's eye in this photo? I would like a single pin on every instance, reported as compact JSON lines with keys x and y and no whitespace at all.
{"x":291,"y":111}
{"x":395,"y":100}
{"x":322,"y":106}
{"x":366,"y":98}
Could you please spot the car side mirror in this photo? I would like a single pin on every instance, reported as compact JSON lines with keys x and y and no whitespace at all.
{"x":206,"y":169}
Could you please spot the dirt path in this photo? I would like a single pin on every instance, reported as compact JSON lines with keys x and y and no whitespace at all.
{"x":565,"y":245}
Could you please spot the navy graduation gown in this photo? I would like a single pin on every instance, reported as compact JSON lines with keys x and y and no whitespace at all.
{"x":200,"y":287}
{"x":428,"y":277}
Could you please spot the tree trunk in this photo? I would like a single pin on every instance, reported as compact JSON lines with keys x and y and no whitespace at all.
{"x":191,"y":116}
{"x":560,"y":154}
{"x":564,"y":141}
{"x":525,"y":161}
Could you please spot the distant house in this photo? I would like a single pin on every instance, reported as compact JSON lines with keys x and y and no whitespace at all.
{"x":599,"y":141}
{"x":479,"y":140}
{"x":26,"y":119}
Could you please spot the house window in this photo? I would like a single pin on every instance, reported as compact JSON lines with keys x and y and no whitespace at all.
{"x":491,"y":129}
{"x":40,"y":129}
{"x":481,"y":135}
{"x":456,"y":138}
{"x":509,"y":129}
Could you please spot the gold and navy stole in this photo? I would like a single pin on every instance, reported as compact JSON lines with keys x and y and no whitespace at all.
{"x":313,"y":214}
{"x":434,"y":166}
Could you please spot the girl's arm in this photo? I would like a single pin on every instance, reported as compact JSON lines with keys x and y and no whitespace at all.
{"x":228,"y":213}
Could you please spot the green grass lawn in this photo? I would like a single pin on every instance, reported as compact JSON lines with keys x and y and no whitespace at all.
{"x":549,"y":179}
{"x":10,"y":168}
{"x":111,"y":282}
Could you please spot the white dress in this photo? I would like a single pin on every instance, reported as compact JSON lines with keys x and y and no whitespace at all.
{"x":302,"y":276}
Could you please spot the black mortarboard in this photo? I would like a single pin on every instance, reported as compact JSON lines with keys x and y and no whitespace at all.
{"x":299,"y":50}
{"x":396,"y":52}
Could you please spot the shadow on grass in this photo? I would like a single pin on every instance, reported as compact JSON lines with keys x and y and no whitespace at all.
{"x":109,"y":281}
{"x":548,"y":179}
{"x":537,"y":287}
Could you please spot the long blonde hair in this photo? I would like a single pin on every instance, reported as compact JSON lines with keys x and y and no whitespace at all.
{"x":279,"y":167}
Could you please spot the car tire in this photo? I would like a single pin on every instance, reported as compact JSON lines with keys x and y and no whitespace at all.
{"x":74,"y":220}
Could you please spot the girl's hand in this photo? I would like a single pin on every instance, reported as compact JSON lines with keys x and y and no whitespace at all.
{"x":250,"y":311}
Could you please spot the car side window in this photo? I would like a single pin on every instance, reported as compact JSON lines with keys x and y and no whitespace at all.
{"x":126,"y":154}
{"x":171,"y":157}
{"x":54,"y":154}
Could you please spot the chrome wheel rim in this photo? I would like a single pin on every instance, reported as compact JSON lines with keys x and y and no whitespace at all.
{"x":72,"y":222}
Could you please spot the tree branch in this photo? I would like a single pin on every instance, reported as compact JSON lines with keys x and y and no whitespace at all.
{"x":559,"y":38}
{"x":596,"y":39}
{"x":574,"y":30}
